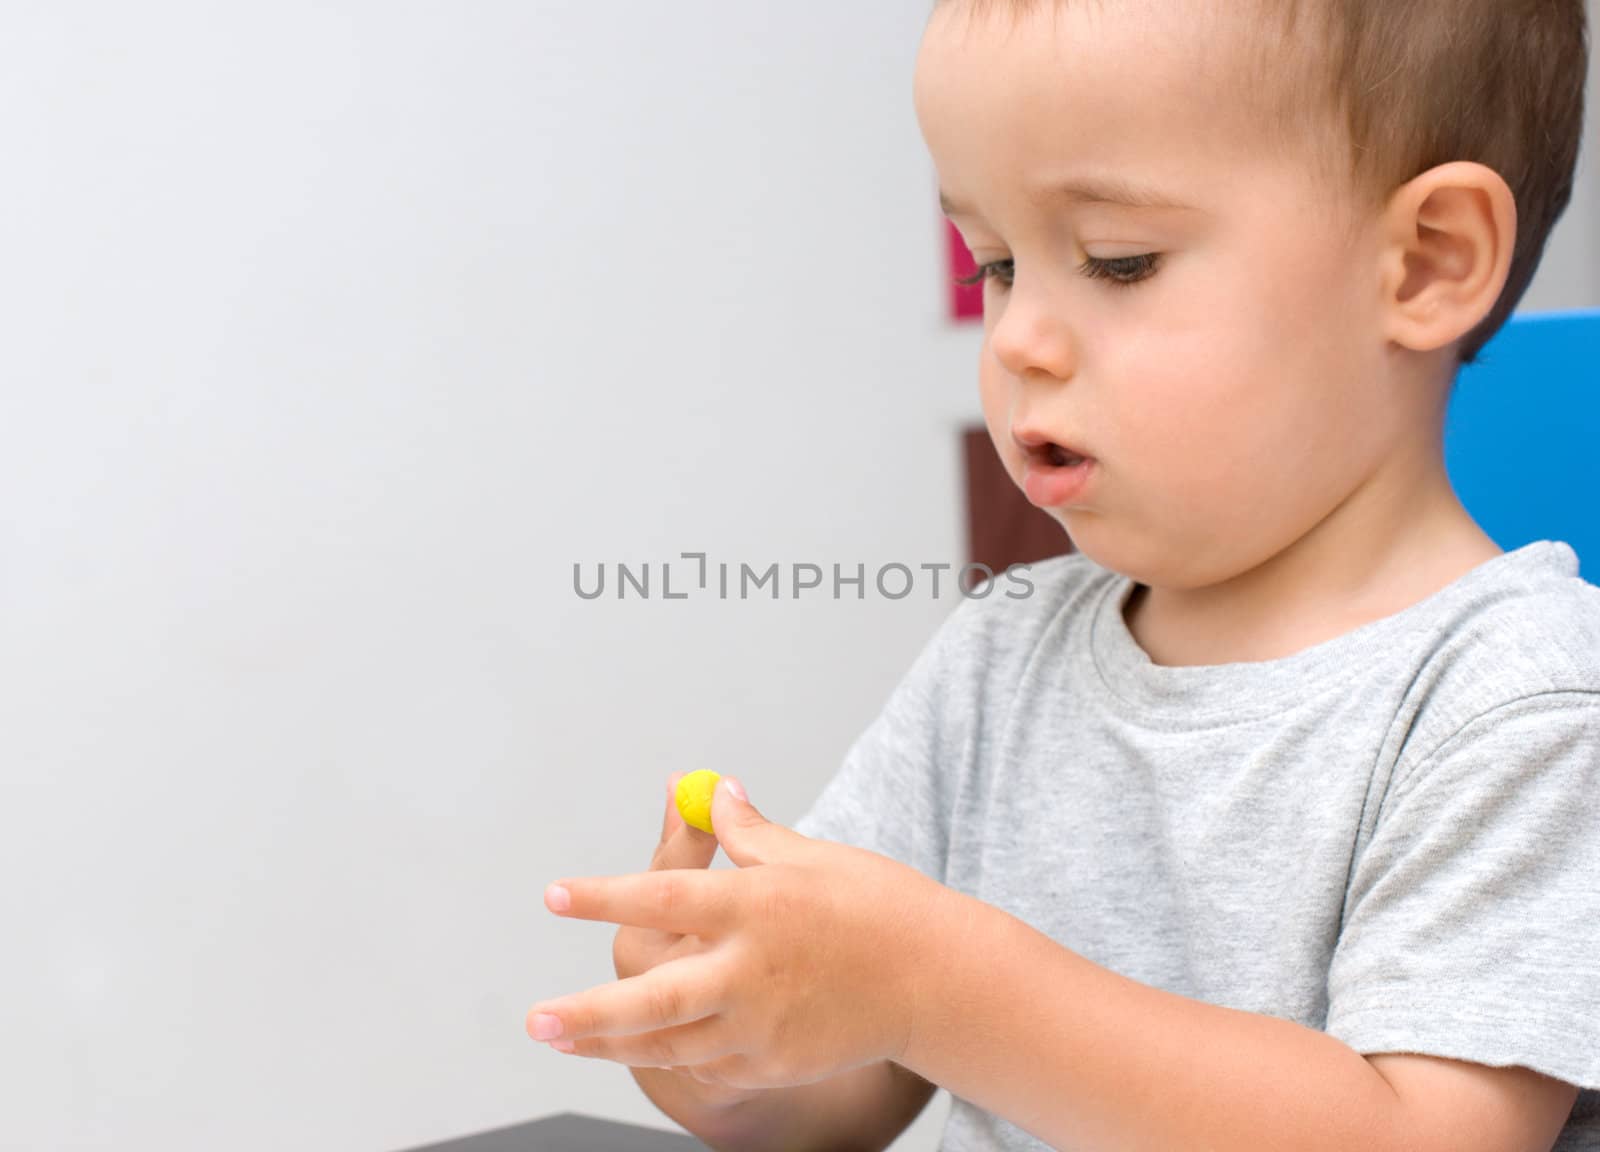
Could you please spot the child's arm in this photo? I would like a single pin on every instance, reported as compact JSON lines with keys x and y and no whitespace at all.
{"x":823,"y":957}
{"x":1082,"y":1057}
{"x":1471,"y":928}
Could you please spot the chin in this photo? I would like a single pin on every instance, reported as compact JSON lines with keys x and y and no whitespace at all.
{"x":1143,"y":561}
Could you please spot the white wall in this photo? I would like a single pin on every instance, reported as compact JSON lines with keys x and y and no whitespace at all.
{"x":1569,"y":274}
{"x":335,"y":336}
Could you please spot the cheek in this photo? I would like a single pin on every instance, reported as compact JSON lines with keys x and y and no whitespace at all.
{"x":1233,"y":417}
{"x":1197,"y":414}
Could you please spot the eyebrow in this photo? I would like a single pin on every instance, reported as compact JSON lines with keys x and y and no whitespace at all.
{"x":1088,"y":190}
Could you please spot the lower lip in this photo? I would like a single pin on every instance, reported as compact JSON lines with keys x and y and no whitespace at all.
{"x":1050,"y":486}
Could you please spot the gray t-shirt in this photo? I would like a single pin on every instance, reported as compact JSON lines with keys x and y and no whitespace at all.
{"x":1392,"y":836}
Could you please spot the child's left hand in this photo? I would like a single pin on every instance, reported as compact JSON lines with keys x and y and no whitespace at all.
{"x":812,"y":956}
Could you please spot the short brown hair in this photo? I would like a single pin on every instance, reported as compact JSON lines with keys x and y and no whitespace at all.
{"x":1419,"y":83}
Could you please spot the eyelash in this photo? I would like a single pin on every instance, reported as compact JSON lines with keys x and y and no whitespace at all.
{"x":1139,"y":269}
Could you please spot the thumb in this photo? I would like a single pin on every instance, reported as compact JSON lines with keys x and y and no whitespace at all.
{"x":681,"y":846}
{"x":745,"y":835}
{"x":671,"y":819}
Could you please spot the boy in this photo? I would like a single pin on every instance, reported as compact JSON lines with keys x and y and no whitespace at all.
{"x":1271,"y":819}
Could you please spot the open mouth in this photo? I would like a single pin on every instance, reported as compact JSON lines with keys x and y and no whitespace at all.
{"x":1055,"y":476}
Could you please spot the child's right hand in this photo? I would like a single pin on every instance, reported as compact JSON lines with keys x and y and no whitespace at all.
{"x":636,"y":950}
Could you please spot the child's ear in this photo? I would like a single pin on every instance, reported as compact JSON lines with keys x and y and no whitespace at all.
{"x":1448,"y":237}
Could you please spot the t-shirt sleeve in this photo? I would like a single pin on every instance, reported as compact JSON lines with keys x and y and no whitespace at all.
{"x":894,"y":792}
{"x":1472,"y":926}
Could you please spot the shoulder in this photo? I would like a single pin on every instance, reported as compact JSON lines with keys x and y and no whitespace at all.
{"x":1538,"y":625}
{"x":1526,"y":641}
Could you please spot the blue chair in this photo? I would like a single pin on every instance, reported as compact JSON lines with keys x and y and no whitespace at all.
{"x":1522,"y":434}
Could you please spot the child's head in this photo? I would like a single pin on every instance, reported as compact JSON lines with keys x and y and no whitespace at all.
{"x":1360,"y":191}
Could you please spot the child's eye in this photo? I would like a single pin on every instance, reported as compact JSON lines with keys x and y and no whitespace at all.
{"x":1000,"y":270}
{"x":1123,"y":271}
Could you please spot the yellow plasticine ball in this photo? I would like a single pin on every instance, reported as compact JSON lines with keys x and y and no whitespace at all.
{"x":694,"y":798}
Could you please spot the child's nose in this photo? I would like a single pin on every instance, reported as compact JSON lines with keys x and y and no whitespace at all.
{"x":1031,"y":336}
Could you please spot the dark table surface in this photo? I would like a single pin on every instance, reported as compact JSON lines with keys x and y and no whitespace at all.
{"x":571,"y":1132}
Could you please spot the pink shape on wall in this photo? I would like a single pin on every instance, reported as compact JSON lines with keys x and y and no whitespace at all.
{"x":966,"y":301}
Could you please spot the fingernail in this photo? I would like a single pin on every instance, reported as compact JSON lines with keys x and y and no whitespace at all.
{"x":546,"y":1026}
{"x":563,"y":1045}
{"x":736,"y":789}
{"x":558,"y":898}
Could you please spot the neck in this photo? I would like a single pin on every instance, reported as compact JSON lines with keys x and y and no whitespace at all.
{"x":1396,"y":539}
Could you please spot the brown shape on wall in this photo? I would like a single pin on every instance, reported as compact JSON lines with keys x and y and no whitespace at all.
{"x":1002,"y":527}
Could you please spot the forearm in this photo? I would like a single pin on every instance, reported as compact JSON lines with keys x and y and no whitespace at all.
{"x":1085,"y":1059}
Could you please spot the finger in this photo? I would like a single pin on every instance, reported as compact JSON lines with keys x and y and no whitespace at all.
{"x":681,"y":845}
{"x":672,"y":994}
{"x":676,"y":1048}
{"x":673,"y":819}
{"x":745,"y":834}
{"x":681,"y":900}
{"x":737,"y":1073}
{"x":636,"y":950}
